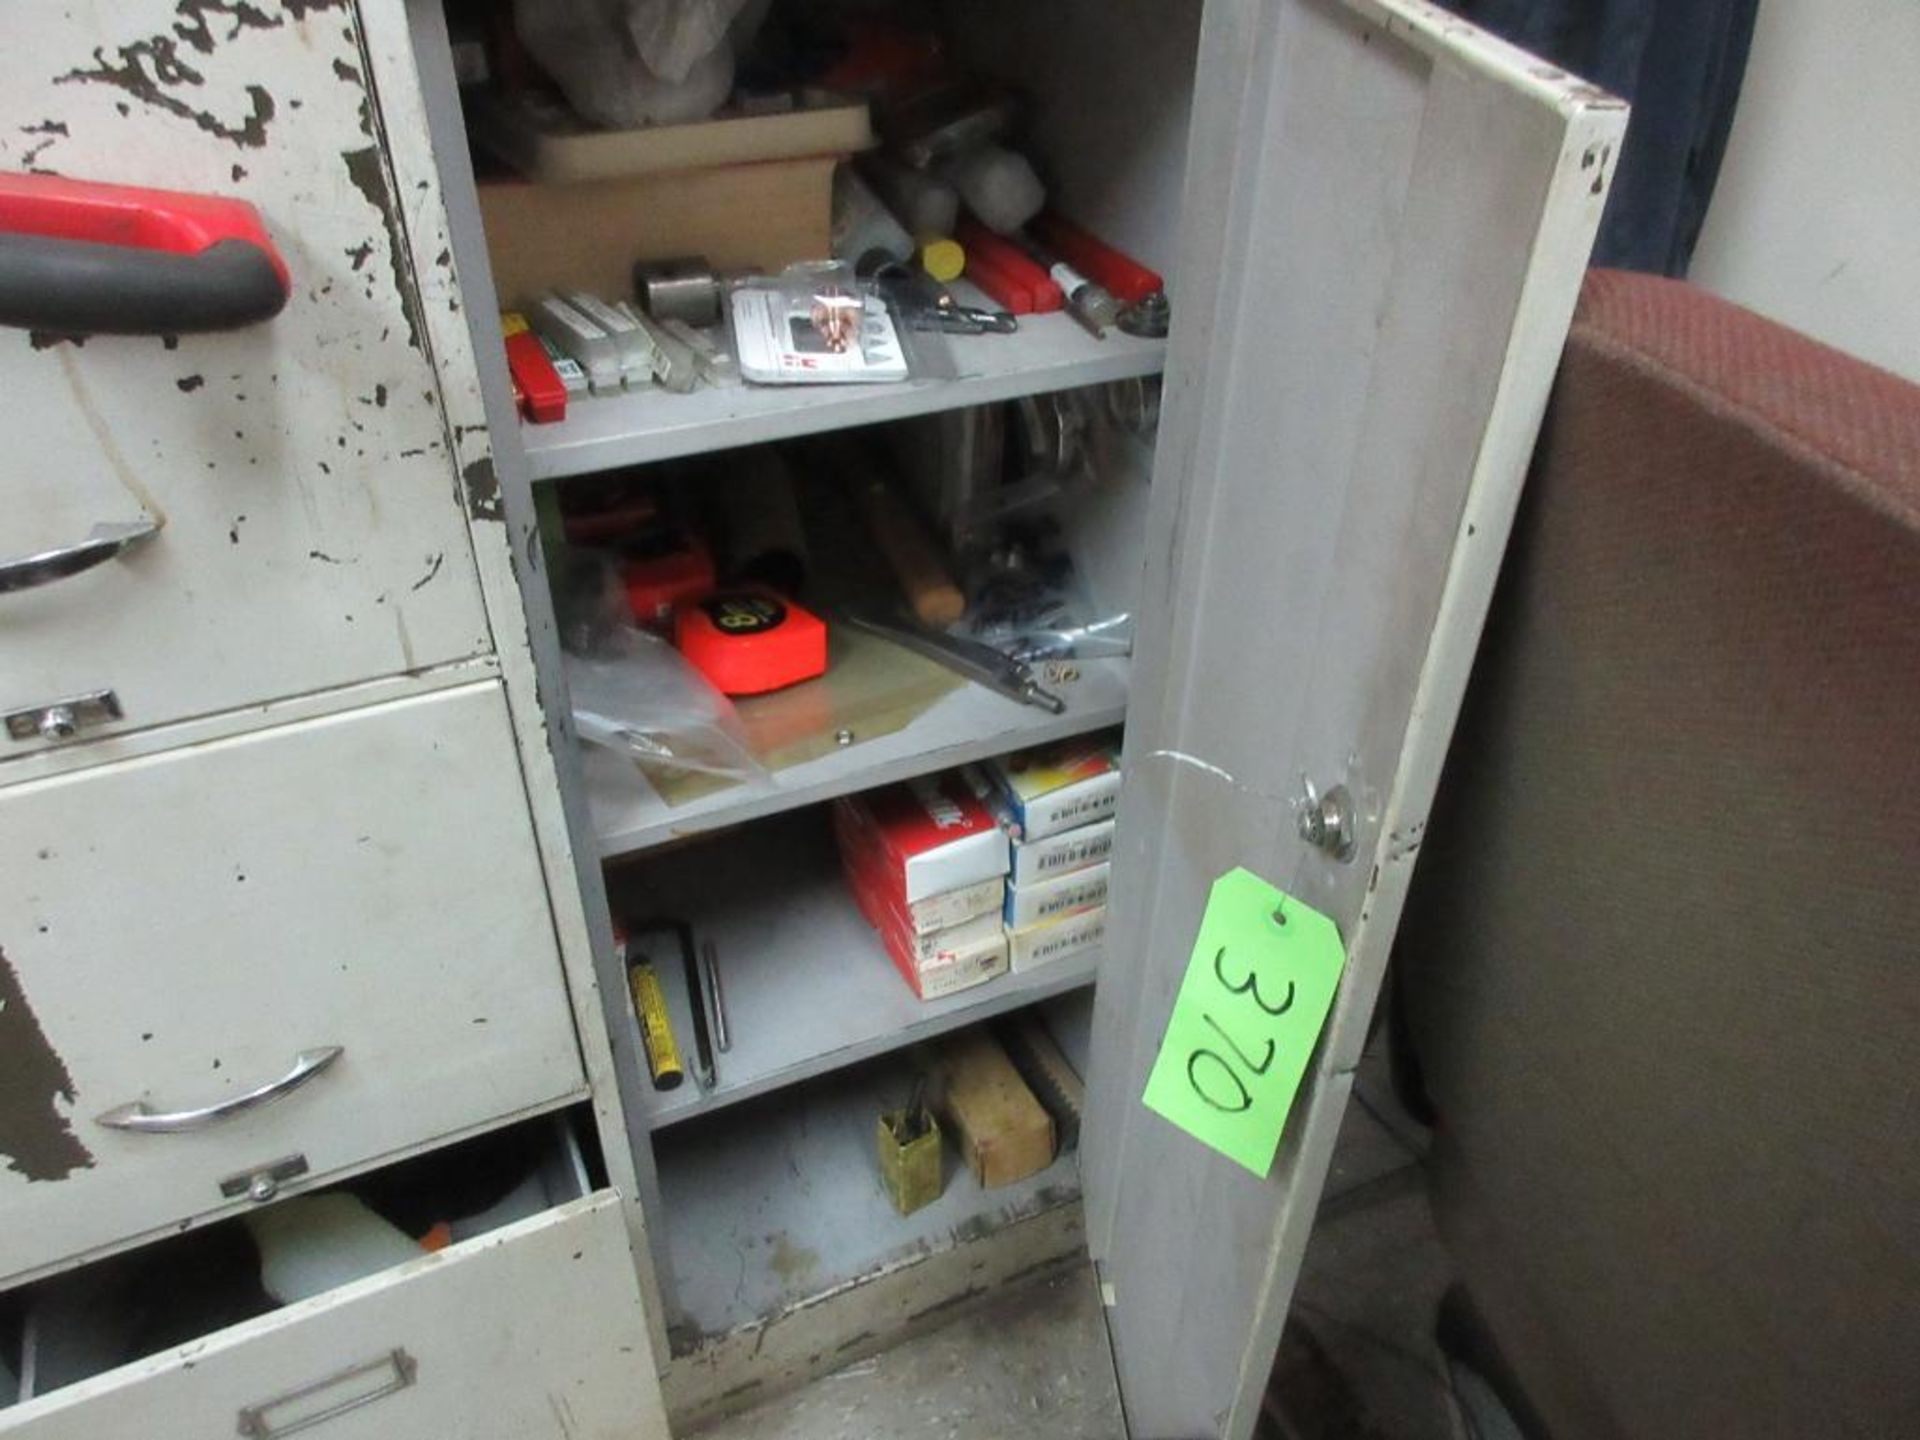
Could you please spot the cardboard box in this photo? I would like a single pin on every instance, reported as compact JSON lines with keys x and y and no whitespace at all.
{"x":1036,"y":860}
{"x":736,"y":217}
{"x":938,"y":963}
{"x":1039,"y":945}
{"x":956,"y":907}
{"x":950,"y":970}
{"x":1003,"y":1133}
{"x":1046,"y":900}
{"x":926,"y":836}
{"x":1053,"y":1080}
{"x":541,"y":137}
{"x":1061,"y":786}
{"x":929,"y":945}
{"x":919,"y":917}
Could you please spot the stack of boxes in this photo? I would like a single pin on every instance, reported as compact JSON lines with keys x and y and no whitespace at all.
{"x":927,"y":864}
{"x":995,"y":867}
{"x":1057,"y":805}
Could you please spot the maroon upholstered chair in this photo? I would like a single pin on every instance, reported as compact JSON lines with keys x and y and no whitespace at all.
{"x":1661,"y":967}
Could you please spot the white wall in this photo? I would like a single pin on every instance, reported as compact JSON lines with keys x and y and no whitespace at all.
{"x":1816,"y":220}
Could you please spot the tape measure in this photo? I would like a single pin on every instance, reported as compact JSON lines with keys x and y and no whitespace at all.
{"x":748,"y":642}
{"x":656,"y":1031}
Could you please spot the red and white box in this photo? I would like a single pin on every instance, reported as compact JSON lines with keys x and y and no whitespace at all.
{"x":936,"y":962}
{"x":926,"y":862}
{"x":926,"y":837}
{"x":920,"y":917}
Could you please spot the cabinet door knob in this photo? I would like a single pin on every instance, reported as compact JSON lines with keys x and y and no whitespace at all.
{"x":138,"y":1117}
{"x":1327,"y":821}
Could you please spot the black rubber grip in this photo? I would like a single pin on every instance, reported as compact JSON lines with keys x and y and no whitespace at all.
{"x":80,"y":287}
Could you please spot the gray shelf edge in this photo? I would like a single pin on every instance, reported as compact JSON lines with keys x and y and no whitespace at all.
{"x":1073,"y":973}
{"x":557,"y":458}
{"x":777,"y":800}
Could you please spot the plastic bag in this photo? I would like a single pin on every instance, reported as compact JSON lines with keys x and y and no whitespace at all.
{"x":673,"y":36}
{"x":589,"y":48}
{"x":1026,"y":600}
{"x":634,"y":694}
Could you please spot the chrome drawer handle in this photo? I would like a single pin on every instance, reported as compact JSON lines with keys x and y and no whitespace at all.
{"x":306,"y":1065}
{"x":102,"y":544}
{"x":320,"y":1401}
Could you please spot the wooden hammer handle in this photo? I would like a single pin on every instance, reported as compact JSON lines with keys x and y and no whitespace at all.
{"x":915,"y":560}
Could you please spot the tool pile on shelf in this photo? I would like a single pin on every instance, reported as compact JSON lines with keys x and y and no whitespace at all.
{"x":706,"y":645}
{"x":804,"y":226}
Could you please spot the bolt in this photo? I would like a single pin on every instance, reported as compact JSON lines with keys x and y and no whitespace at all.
{"x":262,"y":1188}
{"x":59,"y":722}
{"x":843,"y":738}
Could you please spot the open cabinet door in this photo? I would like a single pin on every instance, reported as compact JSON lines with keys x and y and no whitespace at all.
{"x":1387,"y":217}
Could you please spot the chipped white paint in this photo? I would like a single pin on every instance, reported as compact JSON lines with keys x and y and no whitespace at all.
{"x":364,"y":464}
{"x":527,"y":1333}
{"x":314,"y":535}
{"x":412,"y":70}
{"x":186,"y":923}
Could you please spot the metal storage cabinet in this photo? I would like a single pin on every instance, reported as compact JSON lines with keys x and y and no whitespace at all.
{"x":1381,"y":219}
{"x":309,"y":858}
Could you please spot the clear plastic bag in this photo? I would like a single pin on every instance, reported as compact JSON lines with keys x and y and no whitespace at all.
{"x":589,"y":48}
{"x":673,"y":36}
{"x":634,"y":694}
{"x":1025,"y":599}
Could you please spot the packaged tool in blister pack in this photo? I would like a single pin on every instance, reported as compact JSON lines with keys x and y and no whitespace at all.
{"x":815,"y":324}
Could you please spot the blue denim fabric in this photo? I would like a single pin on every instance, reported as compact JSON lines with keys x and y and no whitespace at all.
{"x":1680,"y":63}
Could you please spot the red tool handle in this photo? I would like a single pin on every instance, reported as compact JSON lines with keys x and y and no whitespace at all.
{"x":543,"y":396}
{"x":1125,"y":278}
{"x":1006,"y":272}
{"x":84,"y":258}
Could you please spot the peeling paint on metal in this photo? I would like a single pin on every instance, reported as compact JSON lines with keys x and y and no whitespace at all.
{"x":36,"y":1139}
{"x":369,"y":176}
{"x":151,"y":70}
{"x":483,"y":490}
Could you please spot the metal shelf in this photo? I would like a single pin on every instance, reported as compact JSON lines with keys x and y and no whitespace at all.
{"x":771,"y":1206}
{"x":969,"y":724}
{"x":808,"y":987}
{"x":1049,"y":352}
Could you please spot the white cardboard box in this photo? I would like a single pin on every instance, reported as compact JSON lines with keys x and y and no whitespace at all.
{"x":1035,"y":860}
{"x":1038,"y":945}
{"x":1062,"y":895}
{"x":953,"y":970}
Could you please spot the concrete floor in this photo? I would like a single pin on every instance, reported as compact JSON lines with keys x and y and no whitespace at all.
{"x":1031,"y":1362}
{"x":1359,"y":1362}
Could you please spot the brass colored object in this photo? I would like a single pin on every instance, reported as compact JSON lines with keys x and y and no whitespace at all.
{"x":909,"y":1150}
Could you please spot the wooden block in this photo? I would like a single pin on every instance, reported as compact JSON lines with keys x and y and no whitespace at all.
{"x":1004,"y":1134}
{"x":1052,"y":1079}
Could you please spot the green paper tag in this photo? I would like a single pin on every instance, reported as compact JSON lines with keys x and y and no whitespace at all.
{"x":1257,"y":991}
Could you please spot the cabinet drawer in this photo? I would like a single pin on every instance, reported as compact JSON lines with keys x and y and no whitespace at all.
{"x":531,"y":1331}
{"x":175,"y":930}
{"x":315,"y":533}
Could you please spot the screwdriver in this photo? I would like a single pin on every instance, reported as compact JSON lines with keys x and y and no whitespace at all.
{"x":1092,"y":306}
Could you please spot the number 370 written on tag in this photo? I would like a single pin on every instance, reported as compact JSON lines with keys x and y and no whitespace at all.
{"x":1257,"y":990}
